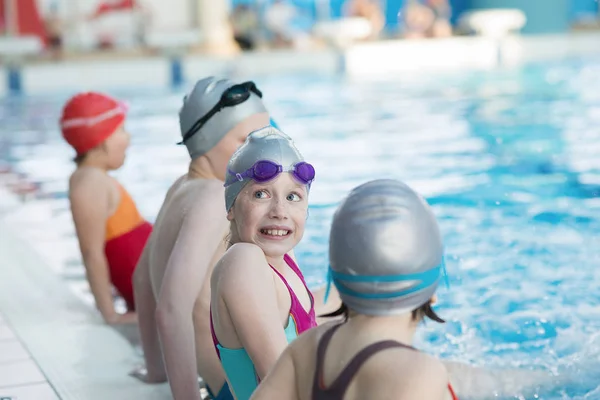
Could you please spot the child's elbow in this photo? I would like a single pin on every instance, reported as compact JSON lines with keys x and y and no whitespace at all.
{"x":170,"y":312}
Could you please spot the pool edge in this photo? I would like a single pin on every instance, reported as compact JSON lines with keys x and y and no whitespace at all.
{"x":362,"y":59}
{"x":79,"y":355}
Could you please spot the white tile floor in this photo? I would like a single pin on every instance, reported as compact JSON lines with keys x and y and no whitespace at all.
{"x":20,"y":377}
{"x":39,"y":391}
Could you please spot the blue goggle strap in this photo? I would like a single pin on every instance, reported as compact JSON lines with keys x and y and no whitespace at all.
{"x":425,"y":279}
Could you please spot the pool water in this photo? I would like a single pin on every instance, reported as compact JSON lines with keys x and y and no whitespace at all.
{"x":509,"y":160}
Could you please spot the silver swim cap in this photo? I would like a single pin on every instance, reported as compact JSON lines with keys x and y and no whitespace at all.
{"x":205,"y":95}
{"x":385,"y":249}
{"x":266,"y":144}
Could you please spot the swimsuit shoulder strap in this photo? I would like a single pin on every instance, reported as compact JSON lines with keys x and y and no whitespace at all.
{"x":452,"y":392}
{"x":213,"y":334}
{"x":296,"y":270}
{"x":125,"y":217}
{"x":292,"y":264}
{"x":285,"y":282}
{"x":339,"y":386}
{"x":321,"y":349}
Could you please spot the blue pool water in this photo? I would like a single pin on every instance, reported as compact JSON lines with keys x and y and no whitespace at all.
{"x":509,"y":160}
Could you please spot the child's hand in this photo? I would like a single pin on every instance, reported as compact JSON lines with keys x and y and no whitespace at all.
{"x":124,"y":319}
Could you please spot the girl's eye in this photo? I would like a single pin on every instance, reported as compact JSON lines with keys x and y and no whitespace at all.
{"x":260,"y":194}
{"x":293,"y":197}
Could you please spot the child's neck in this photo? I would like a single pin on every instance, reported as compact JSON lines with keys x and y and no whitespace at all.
{"x":91,"y":163}
{"x":199,"y":169}
{"x":277,"y":262}
{"x":400,"y":328}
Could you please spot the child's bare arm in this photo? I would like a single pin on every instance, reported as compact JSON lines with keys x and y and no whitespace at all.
{"x":280,"y":383}
{"x":90,"y":206}
{"x":154,"y":369}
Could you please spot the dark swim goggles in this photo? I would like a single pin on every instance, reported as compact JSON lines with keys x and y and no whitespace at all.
{"x":233,"y":96}
{"x":265,"y":170}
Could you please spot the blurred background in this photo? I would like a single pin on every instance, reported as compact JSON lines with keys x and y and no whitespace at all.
{"x":79,"y":26}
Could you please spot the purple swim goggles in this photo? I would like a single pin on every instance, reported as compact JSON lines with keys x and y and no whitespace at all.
{"x":265,"y":170}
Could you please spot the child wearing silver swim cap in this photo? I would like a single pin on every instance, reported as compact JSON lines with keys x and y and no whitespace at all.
{"x":386,"y":260}
{"x":171,"y":280}
{"x":260,"y":301}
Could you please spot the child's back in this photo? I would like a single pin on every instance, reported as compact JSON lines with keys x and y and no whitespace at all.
{"x":110,"y":230}
{"x":355,"y":365}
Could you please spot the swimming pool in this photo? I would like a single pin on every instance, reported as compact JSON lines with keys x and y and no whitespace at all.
{"x":508,"y":159}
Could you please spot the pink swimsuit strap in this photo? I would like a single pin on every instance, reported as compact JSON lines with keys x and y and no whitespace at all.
{"x":304,"y":320}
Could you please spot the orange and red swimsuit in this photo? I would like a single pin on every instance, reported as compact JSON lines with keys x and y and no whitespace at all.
{"x":126,"y":236}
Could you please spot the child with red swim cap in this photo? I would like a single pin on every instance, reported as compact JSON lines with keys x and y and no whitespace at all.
{"x":110,"y":230}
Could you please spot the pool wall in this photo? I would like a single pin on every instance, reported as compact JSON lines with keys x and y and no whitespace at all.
{"x":395,"y":56}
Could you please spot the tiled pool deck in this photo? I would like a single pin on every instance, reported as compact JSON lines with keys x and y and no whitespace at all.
{"x":52,"y":345}
{"x":20,"y":376}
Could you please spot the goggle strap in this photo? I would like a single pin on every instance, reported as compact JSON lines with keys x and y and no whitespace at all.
{"x":432,"y":273}
{"x":249,"y":86}
{"x":425,"y":279}
{"x":328,"y":288}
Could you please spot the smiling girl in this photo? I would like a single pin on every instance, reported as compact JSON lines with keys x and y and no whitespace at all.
{"x":260,"y":301}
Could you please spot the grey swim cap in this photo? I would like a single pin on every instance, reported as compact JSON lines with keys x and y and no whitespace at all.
{"x":203,"y":97}
{"x":267,"y":143}
{"x":385,"y":249}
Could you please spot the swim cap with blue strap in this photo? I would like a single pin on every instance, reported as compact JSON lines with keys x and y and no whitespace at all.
{"x":385,"y":249}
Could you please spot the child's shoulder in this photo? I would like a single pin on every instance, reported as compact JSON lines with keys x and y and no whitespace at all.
{"x":421,"y":369}
{"x":242,"y":262}
{"x":239,"y":255}
{"x":85,"y":179}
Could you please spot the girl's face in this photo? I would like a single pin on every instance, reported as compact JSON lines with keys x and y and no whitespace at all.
{"x":116,"y":146}
{"x":271,"y":215}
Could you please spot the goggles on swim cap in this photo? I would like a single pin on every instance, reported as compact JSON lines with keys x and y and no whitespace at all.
{"x":422,"y":281}
{"x":236,"y":94}
{"x":265,"y":170}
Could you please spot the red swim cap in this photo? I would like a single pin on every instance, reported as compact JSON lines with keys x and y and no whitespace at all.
{"x":88,"y":119}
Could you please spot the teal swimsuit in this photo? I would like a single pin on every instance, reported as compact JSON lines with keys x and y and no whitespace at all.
{"x":238,"y":365}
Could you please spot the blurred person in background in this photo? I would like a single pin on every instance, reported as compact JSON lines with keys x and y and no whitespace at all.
{"x":428,"y":20}
{"x":369,"y":10}
{"x":415,"y":20}
{"x":287,"y":25}
{"x":244,"y":21}
{"x":110,"y":230}
{"x":53,"y":25}
{"x":442,"y":12}
{"x":133,"y":27}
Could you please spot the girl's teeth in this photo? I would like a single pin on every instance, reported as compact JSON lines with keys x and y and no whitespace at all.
{"x":276,"y":232}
